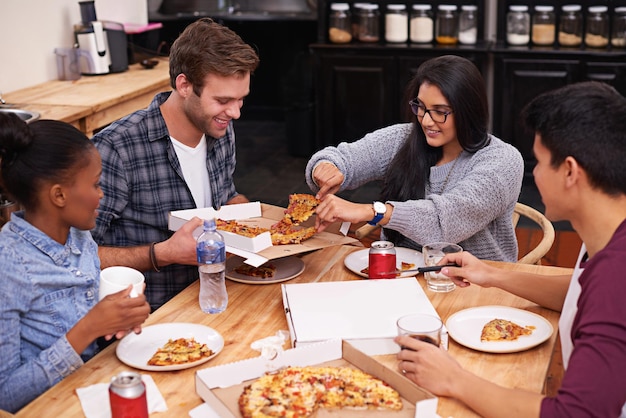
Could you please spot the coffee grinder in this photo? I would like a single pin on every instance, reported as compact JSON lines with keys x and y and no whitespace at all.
{"x":105,"y":42}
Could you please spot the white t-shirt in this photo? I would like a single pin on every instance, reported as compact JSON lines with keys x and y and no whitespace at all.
{"x":193,"y":163}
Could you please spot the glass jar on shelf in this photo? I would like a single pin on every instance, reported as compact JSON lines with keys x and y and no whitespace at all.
{"x":543,"y":26}
{"x":422,"y":24}
{"x":369,"y":25}
{"x":571,"y":25}
{"x":597,"y":33}
{"x":357,"y":9}
{"x":396,"y":23}
{"x":618,"y":35}
{"x":518,"y":25}
{"x":468,"y":25}
{"x":447,"y":24}
{"x":339,"y":23}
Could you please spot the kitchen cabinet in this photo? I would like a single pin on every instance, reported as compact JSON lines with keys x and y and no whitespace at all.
{"x":359,"y":87}
{"x":519,"y":76}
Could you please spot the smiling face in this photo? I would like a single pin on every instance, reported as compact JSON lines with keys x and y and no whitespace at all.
{"x":83,"y":194}
{"x":438,"y":134}
{"x":220,"y":102}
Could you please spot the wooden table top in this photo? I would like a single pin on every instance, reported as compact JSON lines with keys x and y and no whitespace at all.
{"x":256,"y":311}
{"x":92,"y":102}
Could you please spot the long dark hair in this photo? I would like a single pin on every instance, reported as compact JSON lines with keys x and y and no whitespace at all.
{"x":45,"y":150}
{"x":463,"y":86}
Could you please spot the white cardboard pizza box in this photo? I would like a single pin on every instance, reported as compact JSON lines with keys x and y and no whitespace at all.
{"x":220,"y":386}
{"x":259,"y":250}
{"x":363,"y":312}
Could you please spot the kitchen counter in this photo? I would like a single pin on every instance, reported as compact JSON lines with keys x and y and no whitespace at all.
{"x":93,"y":102}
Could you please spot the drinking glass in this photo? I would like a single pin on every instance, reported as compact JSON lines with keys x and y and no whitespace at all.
{"x":433,"y":253}
{"x":423,"y":327}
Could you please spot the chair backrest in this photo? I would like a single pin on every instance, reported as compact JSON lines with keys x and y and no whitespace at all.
{"x":536,"y":254}
{"x":533,"y":257}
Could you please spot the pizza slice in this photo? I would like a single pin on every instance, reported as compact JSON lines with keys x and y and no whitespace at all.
{"x":179,"y":351}
{"x":503,"y":330}
{"x":301,"y":207}
{"x":284,"y":233}
{"x":264,"y":271}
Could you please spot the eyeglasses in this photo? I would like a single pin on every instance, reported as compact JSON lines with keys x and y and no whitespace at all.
{"x":420,"y":110}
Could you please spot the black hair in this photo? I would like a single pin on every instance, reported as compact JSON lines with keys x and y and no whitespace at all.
{"x":32,"y":154}
{"x":586,"y":121}
{"x":463,"y":86}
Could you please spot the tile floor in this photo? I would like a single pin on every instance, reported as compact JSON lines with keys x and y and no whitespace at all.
{"x":267,"y":172}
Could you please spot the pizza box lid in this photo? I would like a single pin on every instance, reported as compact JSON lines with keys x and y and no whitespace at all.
{"x":361,"y":311}
{"x":259,"y":250}
{"x":220,"y":386}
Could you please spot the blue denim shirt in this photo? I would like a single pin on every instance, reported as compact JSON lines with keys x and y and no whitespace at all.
{"x":45,"y":288}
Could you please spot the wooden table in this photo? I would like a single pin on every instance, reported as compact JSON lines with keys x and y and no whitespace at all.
{"x":92,"y":102}
{"x":256,"y":311}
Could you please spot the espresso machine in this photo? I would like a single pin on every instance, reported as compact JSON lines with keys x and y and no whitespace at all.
{"x":104,"y":42}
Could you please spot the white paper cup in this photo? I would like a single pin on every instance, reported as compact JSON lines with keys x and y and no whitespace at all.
{"x":117,"y":278}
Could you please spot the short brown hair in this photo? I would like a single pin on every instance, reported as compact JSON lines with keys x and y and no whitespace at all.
{"x":207,"y":47}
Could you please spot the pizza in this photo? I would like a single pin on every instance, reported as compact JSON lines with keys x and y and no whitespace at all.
{"x":301,"y":207}
{"x":264,"y":271}
{"x":239,"y":228}
{"x":301,"y":391}
{"x":503,"y":330}
{"x":286,"y":231}
{"x":180,"y":351}
{"x":403,"y":266}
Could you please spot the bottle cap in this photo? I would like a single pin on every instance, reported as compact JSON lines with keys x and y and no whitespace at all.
{"x":469,"y":7}
{"x":571,"y":8}
{"x":447,"y":7}
{"x":422,"y":7}
{"x":598,"y":9}
{"x":396,"y":6}
{"x":544,"y":8}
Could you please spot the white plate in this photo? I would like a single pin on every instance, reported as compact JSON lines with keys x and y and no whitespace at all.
{"x":358,"y":260}
{"x":136,"y":349}
{"x":466,"y":326}
{"x":286,"y":269}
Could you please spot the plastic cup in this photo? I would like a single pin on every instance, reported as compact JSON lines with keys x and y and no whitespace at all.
{"x":423,"y":327}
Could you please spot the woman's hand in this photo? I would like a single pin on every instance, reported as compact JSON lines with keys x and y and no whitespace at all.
{"x":428,"y":365}
{"x":335,"y":209}
{"x":328,"y":178}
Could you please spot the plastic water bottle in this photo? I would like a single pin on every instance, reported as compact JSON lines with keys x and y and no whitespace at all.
{"x":211,"y":252}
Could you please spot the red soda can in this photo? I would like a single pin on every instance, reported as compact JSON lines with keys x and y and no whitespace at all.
{"x":382,"y":260}
{"x":127,"y":394}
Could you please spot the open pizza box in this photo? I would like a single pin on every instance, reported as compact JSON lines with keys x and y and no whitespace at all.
{"x":221,"y":386}
{"x":364,"y":312}
{"x":259,"y":250}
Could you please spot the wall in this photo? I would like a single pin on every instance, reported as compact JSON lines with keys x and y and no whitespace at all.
{"x":29,"y":32}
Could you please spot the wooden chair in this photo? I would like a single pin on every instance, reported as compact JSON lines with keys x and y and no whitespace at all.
{"x":534,"y":256}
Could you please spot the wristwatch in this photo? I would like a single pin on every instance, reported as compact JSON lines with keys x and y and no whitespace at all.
{"x":379,"y":209}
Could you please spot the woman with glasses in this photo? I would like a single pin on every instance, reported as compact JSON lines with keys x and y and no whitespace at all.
{"x":444,"y":177}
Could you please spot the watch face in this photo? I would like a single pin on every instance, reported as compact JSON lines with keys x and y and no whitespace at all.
{"x":380,"y":207}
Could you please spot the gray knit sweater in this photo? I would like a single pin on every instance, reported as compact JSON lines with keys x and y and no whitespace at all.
{"x":475,"y":208}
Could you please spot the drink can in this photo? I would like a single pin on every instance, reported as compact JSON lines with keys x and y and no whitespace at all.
{"x":127,"y":394}
{"x":382,"y":260}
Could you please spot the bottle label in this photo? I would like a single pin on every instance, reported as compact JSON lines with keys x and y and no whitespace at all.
{"x":211,"y":252}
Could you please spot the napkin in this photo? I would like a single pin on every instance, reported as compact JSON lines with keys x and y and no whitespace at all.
{"x":203,"y":410}
{"x":95,"y":398}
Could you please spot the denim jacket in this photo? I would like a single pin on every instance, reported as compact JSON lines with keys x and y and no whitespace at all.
{"x":45,"y":288}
